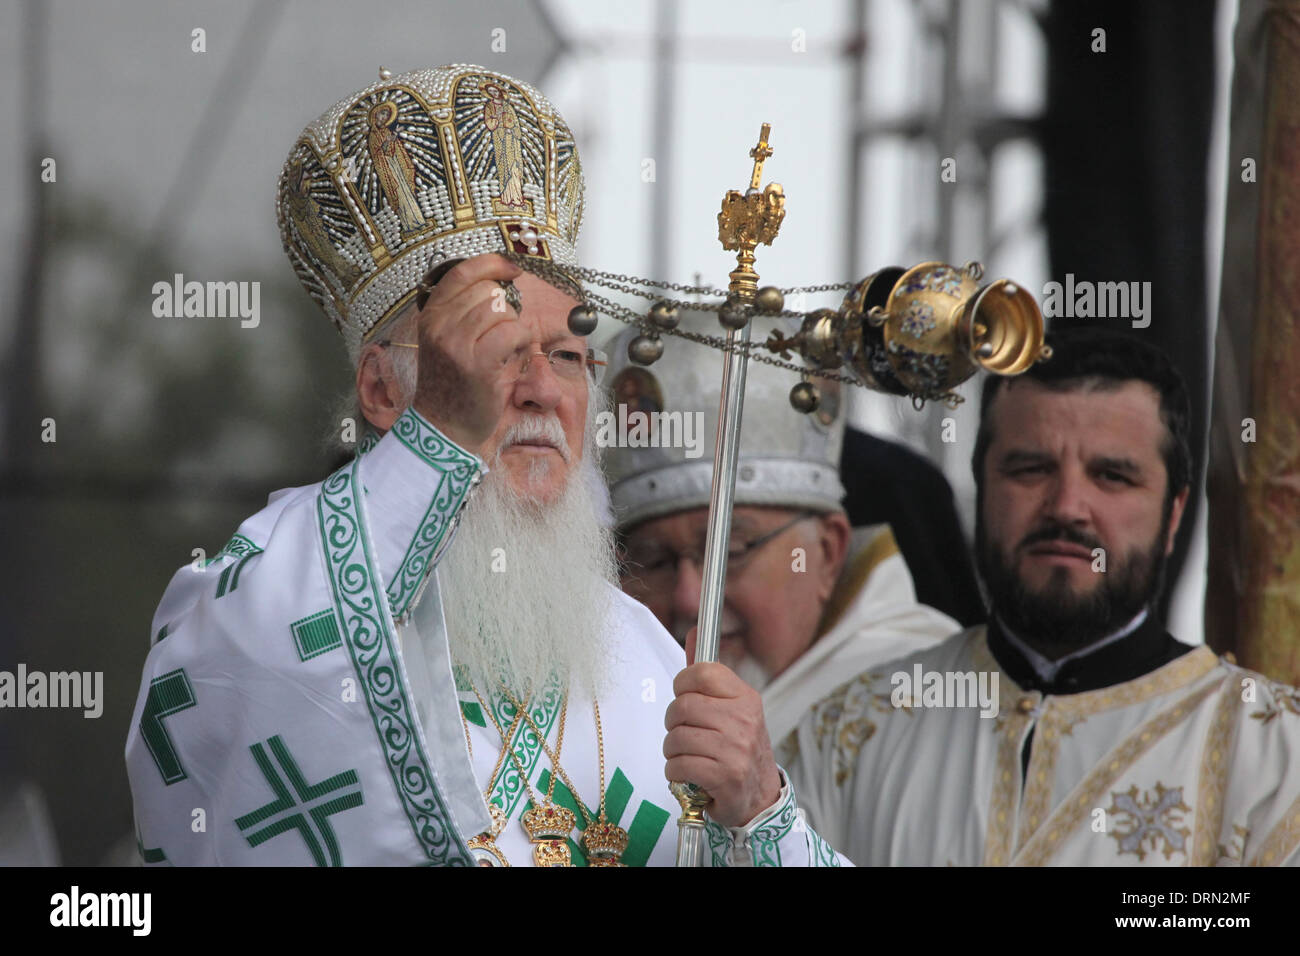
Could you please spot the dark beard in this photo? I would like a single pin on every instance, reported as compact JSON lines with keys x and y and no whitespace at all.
{"x":1055,"y":620}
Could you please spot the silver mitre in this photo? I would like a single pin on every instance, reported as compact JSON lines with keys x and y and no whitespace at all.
{"x":786,"y":460}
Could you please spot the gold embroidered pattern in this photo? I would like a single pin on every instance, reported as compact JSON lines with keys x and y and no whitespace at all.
{"x":1212,"y":787}
{"x":1059,"y":717}
{"x":1173,"y":676}
{"x":1009,"y":725}
{"x":828,"y":714}
{"x":845,"y":718}
{"x":1281,"y":699}
{"x":1235,"y":851}
{"x":1146,"y":823}
{"x":1281,"y":841}
{"x":998,"y":846}
{"x":1009,"y":692}
{"x":1041,"y":776}
{"x":848,"y":742}
{"x":1078,"y":805}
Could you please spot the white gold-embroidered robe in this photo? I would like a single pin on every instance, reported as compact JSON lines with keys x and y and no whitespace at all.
{"x":872,"y":616}
{"x":1196,"y":762}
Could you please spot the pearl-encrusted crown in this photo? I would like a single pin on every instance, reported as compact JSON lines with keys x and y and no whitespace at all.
{"x":417,"y":169}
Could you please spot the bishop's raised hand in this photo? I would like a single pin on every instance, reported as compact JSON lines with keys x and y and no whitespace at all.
{"x":471,"y":351}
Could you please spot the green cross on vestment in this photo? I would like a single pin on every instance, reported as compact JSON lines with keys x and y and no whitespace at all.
{"x":169,"y":694}
{"x":319,"y":811}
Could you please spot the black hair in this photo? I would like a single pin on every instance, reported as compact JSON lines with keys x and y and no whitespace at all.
{"x":1091,"y":357}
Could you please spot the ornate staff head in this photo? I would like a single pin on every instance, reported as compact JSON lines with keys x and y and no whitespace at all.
{"x":919,"y":332}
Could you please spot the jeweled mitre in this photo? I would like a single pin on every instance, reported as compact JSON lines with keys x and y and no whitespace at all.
{"x":418,"y":169}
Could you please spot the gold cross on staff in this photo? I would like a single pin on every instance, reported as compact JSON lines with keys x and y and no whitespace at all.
{"x":760,"y":153}
{"x":748,"y":219}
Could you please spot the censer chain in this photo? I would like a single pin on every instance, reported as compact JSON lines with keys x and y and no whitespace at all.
{"x":562,"y":278}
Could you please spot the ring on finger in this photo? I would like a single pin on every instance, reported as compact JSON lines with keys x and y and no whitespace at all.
{"x":512,"y":294}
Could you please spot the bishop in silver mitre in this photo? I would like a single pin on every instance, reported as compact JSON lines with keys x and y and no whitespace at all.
{"x":809,"y":600}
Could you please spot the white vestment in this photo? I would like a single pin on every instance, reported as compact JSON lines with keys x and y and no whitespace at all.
{"x":298,"y":705}
{"x":1196,"y":762}
{"x":872,"y":616}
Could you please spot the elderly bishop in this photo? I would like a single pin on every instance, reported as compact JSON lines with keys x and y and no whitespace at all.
{"x":424,"y":659}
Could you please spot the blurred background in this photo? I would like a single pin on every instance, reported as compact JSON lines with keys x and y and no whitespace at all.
{"x":1105,"y":161}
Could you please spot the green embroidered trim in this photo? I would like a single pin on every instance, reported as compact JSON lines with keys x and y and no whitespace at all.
{"x":509,"y":787}
{"x":820,"y":852}
{"x":368,"y":441}
{"x":359,"y":601}
{"x":230,"y":576}
{"x":238,"y":546}
{"x":169,"y":694}
{"x":156,"y":855}
{"x":766,"y":833}
{"x":469,"y":706}
{"x":459,"y":473}
{"x":413,"y":431}
{"x":719,"y":842}
{"x":319,"y":813}
{"x":316,"y":634}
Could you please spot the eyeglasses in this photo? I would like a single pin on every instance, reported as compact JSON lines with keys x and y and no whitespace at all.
{"x":572,"y":363}
{"x":654,"y":565}
{"x":567,"y":363}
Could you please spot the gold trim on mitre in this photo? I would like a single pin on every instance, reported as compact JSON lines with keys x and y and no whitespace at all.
{"x":418,"y":169}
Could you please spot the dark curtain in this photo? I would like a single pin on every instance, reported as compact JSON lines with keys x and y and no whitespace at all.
{"x":886,"y":482}
{"x":1126,"y":140}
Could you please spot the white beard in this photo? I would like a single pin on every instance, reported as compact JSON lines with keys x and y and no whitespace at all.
{"x":527,"y":591}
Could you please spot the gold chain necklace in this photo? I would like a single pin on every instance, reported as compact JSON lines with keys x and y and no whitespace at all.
{"x":548,"y":825}
{"x":603,"y":841}
{"x":484,"y":847}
